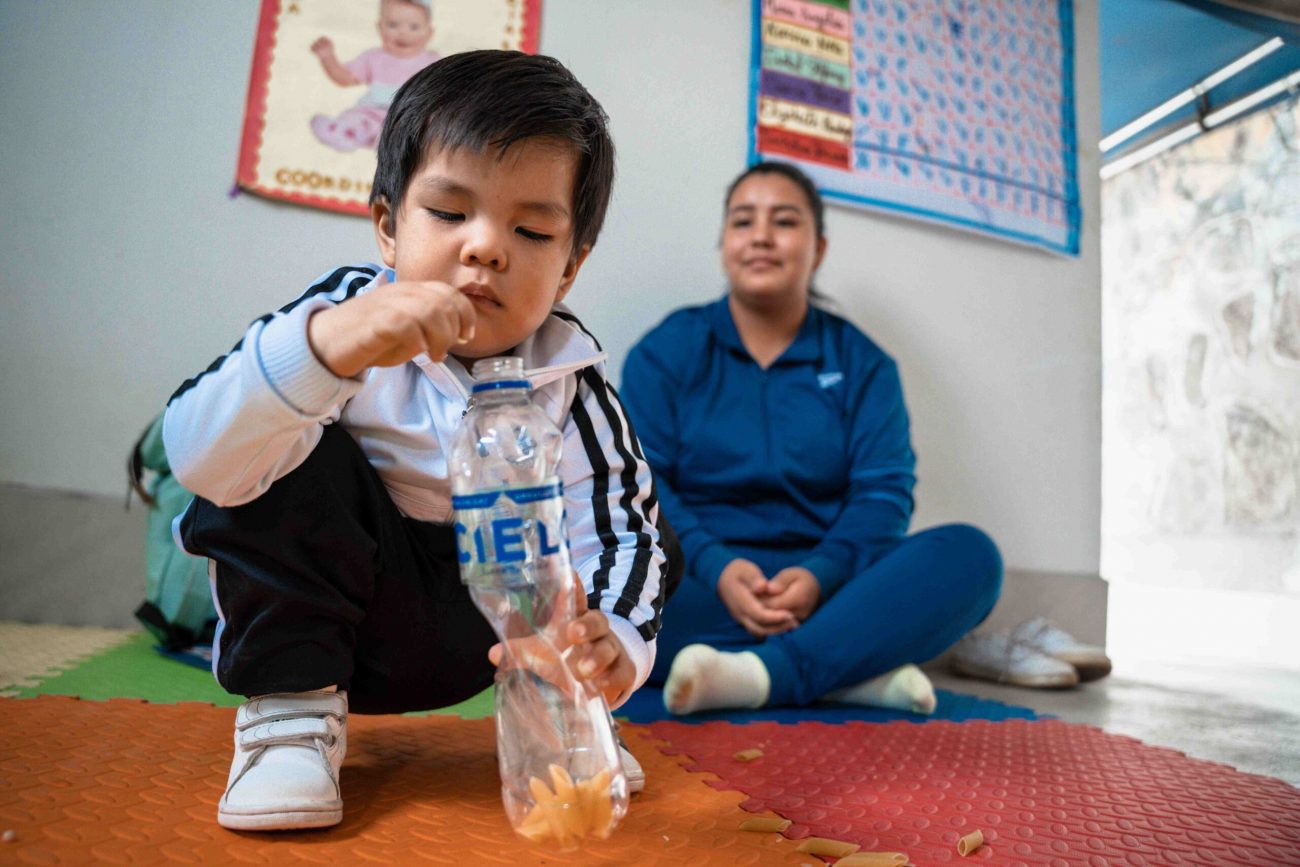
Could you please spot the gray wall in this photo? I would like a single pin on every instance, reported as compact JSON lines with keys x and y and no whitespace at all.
{"x":127,"y":267}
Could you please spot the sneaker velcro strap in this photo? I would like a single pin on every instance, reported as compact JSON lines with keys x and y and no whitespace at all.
{"x":287,"y":731}
{"x":288,"y":705}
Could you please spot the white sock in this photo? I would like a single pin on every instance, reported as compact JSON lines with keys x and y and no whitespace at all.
{"x":706,"y":679}
{"x":904,"y":688}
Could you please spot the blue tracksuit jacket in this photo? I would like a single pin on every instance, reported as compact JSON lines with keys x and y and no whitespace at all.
{"x":810,"y":455}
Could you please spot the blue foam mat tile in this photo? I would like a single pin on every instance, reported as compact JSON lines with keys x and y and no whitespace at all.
{"x":647,"y":705}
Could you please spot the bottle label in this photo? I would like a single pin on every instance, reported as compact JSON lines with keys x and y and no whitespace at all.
{"x":511,"y":531}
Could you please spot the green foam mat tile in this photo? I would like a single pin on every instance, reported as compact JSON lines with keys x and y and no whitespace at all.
{"x":135,"y":669}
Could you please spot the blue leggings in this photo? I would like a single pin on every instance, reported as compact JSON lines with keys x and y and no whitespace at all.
{"x":909,"y":605}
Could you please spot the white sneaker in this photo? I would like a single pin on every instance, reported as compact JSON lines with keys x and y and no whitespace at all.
{"x":285,"y":774}
{"x":996,"y":656}
{"x":1090,"y":661}
{"x":632,"y":769}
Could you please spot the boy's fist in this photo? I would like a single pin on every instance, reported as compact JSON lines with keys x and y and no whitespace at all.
{"x":593,"y":652}
{"x":390,"y":325}
{"x":598,"y":657}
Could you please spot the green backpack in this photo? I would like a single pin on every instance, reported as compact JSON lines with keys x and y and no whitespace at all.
{"x":178,"y":607}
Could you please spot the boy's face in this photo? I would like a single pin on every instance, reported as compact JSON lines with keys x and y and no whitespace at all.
{"x":404,"y":28}
{"x":496,"y":227}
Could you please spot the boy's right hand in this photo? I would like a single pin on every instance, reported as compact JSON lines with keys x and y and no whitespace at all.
{"x":390,"y":325}
{"x":742,"y":586}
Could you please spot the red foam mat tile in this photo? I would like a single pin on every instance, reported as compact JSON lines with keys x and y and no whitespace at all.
{"x":1042,"y":792}
{"x":131,"y":783}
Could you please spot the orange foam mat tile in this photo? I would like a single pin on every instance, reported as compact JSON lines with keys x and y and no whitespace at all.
{"x":128,"y":782}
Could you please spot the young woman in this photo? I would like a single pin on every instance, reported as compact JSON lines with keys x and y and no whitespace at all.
{"x":779,"y":441}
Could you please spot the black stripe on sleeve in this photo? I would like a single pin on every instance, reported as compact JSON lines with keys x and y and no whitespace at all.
{"x":324,"y":286}
{"x":636,"y":578}
{"x":599,"y":498}
{"x":650,"y":629}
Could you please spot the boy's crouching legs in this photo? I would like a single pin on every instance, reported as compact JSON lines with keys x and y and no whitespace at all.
{"x":285,"y":774}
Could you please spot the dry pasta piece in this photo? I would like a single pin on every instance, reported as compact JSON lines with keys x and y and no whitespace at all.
{"x":569,"y":813}
{"x":765,"y":823}
{"x":970,"y":842}
{"x":873,"y":859}
{"x":748,"y":755}
{"x":563,"y":785}
{"x":826,"y":846}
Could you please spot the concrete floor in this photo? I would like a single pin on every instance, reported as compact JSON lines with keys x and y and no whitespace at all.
{"x":1248,"y":718}
{"x":78,"y":559}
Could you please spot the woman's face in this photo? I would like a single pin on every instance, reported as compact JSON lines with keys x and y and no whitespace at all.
{"x":770,"y":247}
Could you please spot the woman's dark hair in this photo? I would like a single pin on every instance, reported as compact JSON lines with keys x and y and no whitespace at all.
{"x":494,"y":99}
{"x":792,"y":174}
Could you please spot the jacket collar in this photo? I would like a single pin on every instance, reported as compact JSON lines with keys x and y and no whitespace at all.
{"x":806,"y":345}
{"x":557,"y":349}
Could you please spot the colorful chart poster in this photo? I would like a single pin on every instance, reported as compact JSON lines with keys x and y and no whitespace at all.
{"x":956,"y":111}
{"x":325,"y":71}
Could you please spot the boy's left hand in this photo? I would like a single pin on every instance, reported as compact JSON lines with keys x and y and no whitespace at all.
{"x":593,"y":651}
{"x":598,"y":657}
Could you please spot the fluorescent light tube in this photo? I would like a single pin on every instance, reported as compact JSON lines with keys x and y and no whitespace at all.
{"x":1181,"y":99}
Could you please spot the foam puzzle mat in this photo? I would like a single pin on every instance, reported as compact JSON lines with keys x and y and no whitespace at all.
{"x":1044,"y":792}
{"x":132,"y":783}
{"x":647,"y":705}
{"x":129,"y":782}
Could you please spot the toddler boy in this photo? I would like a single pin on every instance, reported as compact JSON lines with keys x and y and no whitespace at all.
{"x":317,"y":448}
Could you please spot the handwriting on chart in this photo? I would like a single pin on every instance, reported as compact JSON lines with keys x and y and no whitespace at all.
{"x":958,"y":99}
{"x":805,"y":82}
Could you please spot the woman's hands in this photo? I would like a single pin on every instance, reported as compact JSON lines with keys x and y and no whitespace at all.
{"x":766,"y":607}
{"x":795,"y":590}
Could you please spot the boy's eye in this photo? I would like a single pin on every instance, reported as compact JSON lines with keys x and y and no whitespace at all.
{"x":533,"y":236}
{"x":445,"y":216}
{"x":740,"y":224}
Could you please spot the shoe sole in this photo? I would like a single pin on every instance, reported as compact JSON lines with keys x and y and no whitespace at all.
{"x":291,"y":820}
{"x":1033,"y":681}
{"x":1089,"y":667}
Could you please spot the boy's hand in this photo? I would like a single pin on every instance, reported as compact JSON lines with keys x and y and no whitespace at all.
{"x":390,"y":325}
{"x":743,"y":588}
{"x":593,"y":652}
{"x":598,"y":657}
{"x":795,"y":590}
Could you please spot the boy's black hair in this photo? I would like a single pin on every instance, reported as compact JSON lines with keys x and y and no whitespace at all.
{"x":792,"y":173}
{"x":494,"y":99}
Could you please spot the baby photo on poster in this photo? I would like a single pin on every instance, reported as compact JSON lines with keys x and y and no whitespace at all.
{"x":325,"y":71}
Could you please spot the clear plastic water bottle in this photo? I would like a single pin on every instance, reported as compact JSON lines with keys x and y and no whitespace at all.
{"x":561,"y":777}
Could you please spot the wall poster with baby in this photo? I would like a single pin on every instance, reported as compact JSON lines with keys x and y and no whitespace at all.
{"x":325,"y":71}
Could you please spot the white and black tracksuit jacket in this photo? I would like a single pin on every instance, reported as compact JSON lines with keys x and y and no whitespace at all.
{"x":256,"y":414}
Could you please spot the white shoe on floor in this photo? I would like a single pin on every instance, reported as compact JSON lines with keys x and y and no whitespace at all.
{"x":997,"y":657}
{"x":285,"y":774}
{"x":632,"y":769}
{"x":1090,"y":661}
